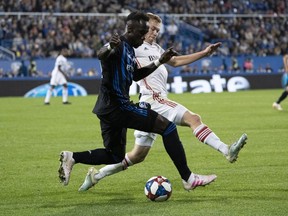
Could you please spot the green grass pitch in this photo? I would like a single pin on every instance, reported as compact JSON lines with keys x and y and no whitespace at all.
{"x":32,"y":135}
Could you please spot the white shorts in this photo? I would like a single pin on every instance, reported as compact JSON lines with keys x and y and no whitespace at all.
{"x":171,"y":110}
{"x":57,"y":79}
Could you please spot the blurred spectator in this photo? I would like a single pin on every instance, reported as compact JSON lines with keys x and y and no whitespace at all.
{"x":248,"y":65}
{"x":32,"y":36}
{"x":235,"y":66}
{"x":186,"y":70}
{"x":206,"y":64}
{"x":23,"y":71}
{"x":79,"y":72}
{"x":33,"y":69}
{"x":268,"y":68}
{"x":172,"y":30}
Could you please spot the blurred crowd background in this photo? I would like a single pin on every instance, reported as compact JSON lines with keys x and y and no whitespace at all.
{"x":35,"y":29}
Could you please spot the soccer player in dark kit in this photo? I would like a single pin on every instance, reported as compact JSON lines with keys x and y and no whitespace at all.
{"x":117,"y":113}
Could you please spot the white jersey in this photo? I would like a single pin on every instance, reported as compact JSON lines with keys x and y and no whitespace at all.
{"x":57,"y":78}
{"x":60,"y":61}
{"x":153,"y":91}
{"x":155,"y":82}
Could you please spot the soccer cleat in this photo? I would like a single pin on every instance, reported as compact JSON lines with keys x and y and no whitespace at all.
{"x":66,"y":164}
{"x":46,"y":103}
{"x":235,"y":148}
{"x":199,"y":180}
{"x":277,"y":106}
{"x":89,"y":181}
{"x":67,"y":103}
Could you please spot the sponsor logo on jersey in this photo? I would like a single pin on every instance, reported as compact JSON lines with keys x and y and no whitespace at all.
{"x":153,"y":58}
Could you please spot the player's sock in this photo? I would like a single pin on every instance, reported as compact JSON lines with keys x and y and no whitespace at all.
{"x":113,"y":168}
{"x":207,"y":136}
{"x":126,"y":162}
{"x":48,"y":96}
{"x":282,"y":97}
{"x":175,"y":150}
{"x":94,"y":157}
{"x":65,"y":94}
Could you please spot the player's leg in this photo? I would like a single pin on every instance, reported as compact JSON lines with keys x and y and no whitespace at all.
{"x":114,"y":152}
{"x":143,"y":143}
{"x":276,"y":105}
{"x":137,"y":155}
{"x":180,"y":115}
{"x":205,"y":135}
{"x":176,"y":152}
{"x":48,"y":95}
{"x":65,"y":94}
{"x":202,"y":132}
{"x":62,"y":81}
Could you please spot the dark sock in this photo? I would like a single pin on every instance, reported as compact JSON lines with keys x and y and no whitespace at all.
{"x":175,"y":150}
{"x":282,"y":97}
{"x":94,"y":157}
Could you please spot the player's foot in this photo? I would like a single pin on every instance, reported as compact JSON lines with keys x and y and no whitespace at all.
{"x":90,"y":180}
{"x":235,"y":148}
{"x":277,"y":106}
{"x":46,"y":103}
{"x":67,"y":103}
{"x":66,"y":164}
{"x":199,"y":180}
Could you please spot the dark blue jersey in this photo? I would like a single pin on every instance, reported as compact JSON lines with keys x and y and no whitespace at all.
{"x":117,"y":76}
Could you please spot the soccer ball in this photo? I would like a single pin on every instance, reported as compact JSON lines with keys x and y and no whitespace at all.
{"x":158,"y":188}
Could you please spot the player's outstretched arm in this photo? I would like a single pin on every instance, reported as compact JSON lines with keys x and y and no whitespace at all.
{"x":147,"y":70}
{"x":180,"y":60}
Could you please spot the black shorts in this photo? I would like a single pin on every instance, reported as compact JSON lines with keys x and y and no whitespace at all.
{"x":114,"y":126}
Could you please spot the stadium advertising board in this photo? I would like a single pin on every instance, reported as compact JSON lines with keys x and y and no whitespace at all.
{"x":177,"y":84}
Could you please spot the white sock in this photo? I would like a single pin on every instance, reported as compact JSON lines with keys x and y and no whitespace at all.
{"x":109,"y":170}
{"x":48,"y":96}
{"x":65,"y":94}
{"x":113,"y":168}
{"x":207,"y":136}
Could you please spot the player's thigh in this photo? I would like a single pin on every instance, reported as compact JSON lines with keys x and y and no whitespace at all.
{"x":114,"y":138}
{"x":61,"y":79}
{"x":53,"y":81}
{"x":171,"y":110}
{"x":144,"y":138}
{"x":137,"y":118}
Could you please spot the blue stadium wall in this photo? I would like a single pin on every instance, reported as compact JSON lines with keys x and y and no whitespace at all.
{"x":197,"y":83}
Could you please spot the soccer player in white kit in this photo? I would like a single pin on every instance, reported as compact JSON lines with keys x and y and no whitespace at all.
{"x":59,"y":77}
{"x":276,"y":105}
{"x":153,"y":91}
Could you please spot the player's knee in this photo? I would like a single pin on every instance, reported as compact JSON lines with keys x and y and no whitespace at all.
{"x":161,"y":124}
{"x":196,"y":119}
{"x":191,"y":120}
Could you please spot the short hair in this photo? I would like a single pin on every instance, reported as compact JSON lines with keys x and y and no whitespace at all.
{"x":137,"y":16}
{"x":154,"y":17}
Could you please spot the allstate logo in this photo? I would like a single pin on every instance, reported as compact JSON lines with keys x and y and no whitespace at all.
{"x":40,"y":91}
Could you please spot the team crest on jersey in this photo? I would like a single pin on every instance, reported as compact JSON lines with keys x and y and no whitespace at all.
{"x":130,"y":68}
{"x":145,"y":48}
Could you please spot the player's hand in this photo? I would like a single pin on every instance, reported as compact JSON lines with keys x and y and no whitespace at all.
{"x":167,"y":55}
{"x":211,"y":48}
{"x":114,"y":40}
